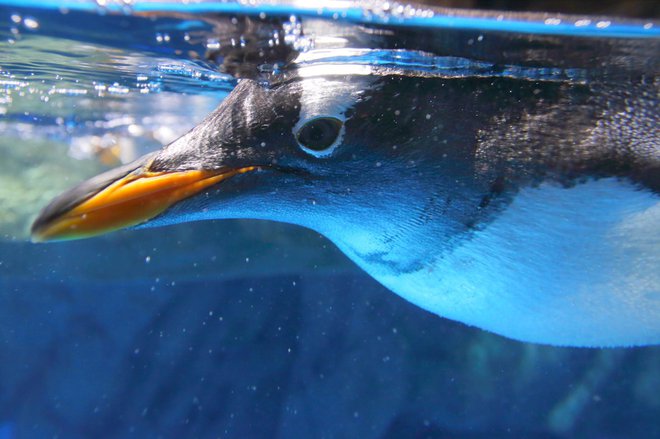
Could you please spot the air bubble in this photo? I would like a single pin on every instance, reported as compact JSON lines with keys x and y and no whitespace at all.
{"x":30,"y":23}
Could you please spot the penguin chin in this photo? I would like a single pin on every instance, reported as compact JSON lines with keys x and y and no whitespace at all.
{"x":264,"y":193}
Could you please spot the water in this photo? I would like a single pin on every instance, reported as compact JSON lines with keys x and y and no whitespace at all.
{"x":243,"y":328}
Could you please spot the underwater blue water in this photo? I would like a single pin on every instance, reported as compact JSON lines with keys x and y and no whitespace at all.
{"x":242,"y":328}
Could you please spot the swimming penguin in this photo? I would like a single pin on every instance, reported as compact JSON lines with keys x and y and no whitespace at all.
{"x":527,"y":208}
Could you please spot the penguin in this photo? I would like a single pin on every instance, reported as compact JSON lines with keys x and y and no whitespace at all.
{"x":528,"y":208}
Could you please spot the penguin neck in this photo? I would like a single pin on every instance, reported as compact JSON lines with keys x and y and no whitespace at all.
{"x":403,"y":232}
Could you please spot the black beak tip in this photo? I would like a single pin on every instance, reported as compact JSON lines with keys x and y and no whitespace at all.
{"x":68,"y":200}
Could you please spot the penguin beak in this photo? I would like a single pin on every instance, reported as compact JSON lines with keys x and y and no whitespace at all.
{"x":120,"y":198}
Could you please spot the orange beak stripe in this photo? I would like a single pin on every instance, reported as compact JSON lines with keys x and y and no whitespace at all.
{"x":130,"y":201}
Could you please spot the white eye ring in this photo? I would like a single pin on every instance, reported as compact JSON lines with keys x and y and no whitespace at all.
{"x":320,"y":135}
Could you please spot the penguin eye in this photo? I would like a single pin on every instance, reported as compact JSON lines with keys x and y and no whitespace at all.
{"x":320,"y":134}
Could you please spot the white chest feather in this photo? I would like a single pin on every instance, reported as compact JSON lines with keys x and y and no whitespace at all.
{"x":567,"y":266}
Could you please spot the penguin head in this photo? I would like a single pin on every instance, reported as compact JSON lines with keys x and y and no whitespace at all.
{"x":359,"y":158}
{"x":293,"y":145}
{"x":277,"y":152}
